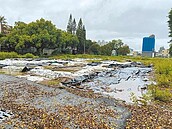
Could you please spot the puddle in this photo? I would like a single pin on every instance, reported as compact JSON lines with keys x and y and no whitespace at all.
{"x":112,"y":78}
{"x":120,"y":83}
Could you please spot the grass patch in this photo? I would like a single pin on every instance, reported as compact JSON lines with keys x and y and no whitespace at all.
{"x":4,"y":55}
{"x":1,"y":72}
{"x":68,"y":56}
{"x":54,"y":82}
{"x":162,"y":69}
{"x":162,"y":94}
{"x":29,"y":55}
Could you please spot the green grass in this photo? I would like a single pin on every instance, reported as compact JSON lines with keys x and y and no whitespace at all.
{"x":162,"y":94}
{"x":162,"y":91}
{"x":4,"y":55}
{"x":162,"y":69}
{"x":53,"y":82}
{"x":29,"y":55}
{"x":91,"y":57}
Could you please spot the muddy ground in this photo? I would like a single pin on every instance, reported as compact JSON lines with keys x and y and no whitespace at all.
{"x":30,"y":105}
{"x":92,"y":104}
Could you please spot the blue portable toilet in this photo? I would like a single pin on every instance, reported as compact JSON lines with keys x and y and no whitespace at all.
{"x":148,"y":47}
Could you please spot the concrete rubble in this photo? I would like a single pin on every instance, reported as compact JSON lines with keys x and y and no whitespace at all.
{"x":114,"y":81}
{"x":4,"y":115}
{"x":112,"y":78}
{"x":31,"y":102}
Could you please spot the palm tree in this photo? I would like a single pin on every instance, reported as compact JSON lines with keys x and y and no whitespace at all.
{"x":3,"y":24}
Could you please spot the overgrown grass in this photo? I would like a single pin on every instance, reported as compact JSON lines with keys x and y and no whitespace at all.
{"x":29,"y":55}
{"x":162,"y":69}
{"x":91,"y":57}
{"x":163,"y":76}
{"x":4,"y":55}
{"x":53,"y":82}
{"x":164,"y":95}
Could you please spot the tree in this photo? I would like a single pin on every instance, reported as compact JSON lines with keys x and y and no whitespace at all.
{"x":170,"y":24}
{"x":38,"y":35}
{"x":45,"y":33}
{"x":107,"y":49}
{"x":74,"y":27}
{"x":117,"y":45}
{"x":88,"y":44}
{"x":68,"y":42}
{"x":70,"y":25}
{"x":161,"y":49}
{"x":124,"y":50}
{"x":94,"y":49}
{"x":170,"y":30}
{"x":170,"y":50}
{"x":81,"y":34}
{"x":84,"y":36}
{"x":3,"y":25}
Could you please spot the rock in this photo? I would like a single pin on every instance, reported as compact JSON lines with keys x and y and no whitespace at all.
{"x":113,"y":65}
{"x":2,"y":65}
{"x":128,"y":78}
{"x":26,"y":69}
{"x":137,"y":73}
{"x":145,"y":79}
{"x":143,"y":88}
{"x":66,"y":82}
{"x":94,"y":64}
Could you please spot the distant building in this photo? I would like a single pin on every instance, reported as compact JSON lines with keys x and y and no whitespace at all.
{"x":133,"y":53}
{"x":148,"y":47}
{"x":114,"y":53}
{"x":163,"y":53}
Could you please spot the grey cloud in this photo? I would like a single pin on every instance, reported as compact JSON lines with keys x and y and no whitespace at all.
{"x":129,"y":20}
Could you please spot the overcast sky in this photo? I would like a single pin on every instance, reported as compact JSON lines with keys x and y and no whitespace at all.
{"x":129,"y":20}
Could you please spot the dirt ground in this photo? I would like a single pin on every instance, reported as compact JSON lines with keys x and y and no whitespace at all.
{"x":39,"y":106}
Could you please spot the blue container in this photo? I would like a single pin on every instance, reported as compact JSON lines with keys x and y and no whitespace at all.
{"x":148,"y":44}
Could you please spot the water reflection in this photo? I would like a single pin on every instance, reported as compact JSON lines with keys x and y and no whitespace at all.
{"x":120,"y":83}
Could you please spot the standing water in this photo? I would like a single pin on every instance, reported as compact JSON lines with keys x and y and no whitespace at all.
{"x":120,"y":83}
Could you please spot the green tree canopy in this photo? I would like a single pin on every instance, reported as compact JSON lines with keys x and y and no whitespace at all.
{"x":36,"y":36}
{"x":81,"y":34}
{"x":68,"y":41}
{"x":170,"y":31}
{"x":70,"y":24}
{"x":94,"y":49}
{"x":117,"y":45}
{"x":74,"y":27}
{"x":170,"y":24}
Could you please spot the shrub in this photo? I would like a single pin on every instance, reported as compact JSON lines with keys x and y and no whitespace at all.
{"x":29,"y":55}
{"x":4,"y":55}
{"x":163,"y":95}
